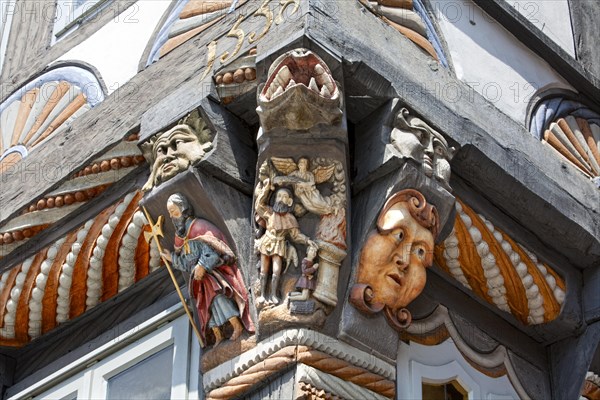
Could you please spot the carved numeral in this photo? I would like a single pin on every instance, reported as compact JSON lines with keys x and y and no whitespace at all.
{"x":237,"y":33}
{"x":284,"y":4}
{"x":266,"y":12}
{"x":210,"y":58}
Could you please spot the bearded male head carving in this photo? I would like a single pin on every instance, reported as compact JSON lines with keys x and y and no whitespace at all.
{"x":415,"y":139}
{"x":394,"y":258}
{"x":175,"y":150}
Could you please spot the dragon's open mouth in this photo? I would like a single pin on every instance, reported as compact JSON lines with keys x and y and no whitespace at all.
{"x":299,"y":68}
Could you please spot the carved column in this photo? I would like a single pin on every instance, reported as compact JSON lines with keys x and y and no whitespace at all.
{"x":301,"y":195}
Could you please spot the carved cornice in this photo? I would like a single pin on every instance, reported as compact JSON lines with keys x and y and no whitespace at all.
{"x":296,"y":337}
{"x":86,"y":267}
{"x":339,"y":386}
{"x":86,"y":184}
{"x":340,"y":375}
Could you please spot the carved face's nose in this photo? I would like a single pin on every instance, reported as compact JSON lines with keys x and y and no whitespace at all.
{"x":401,"y":261}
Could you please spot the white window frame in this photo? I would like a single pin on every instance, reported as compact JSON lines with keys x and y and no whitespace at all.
{"x":175,"y":334}
{"x":78,"y":385}
{"x":88,"y":376}
{"x":440,"y":374}
{"x":442,"y":363}
{"x":69,"y":18}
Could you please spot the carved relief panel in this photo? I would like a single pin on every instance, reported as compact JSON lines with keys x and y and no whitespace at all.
{"x":300,"y":197}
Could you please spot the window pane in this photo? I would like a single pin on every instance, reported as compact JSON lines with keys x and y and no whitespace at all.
{"x":148,"y":379}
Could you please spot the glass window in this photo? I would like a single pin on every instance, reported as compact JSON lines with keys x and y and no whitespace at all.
{"x":444,"y":391}
{"x":148,"y":379}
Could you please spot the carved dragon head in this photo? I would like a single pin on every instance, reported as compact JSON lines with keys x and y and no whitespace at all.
{"x":300,"y":93}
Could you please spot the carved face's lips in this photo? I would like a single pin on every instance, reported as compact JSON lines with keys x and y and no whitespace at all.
{"x":397,"y":278}
{"x":300,"y":69}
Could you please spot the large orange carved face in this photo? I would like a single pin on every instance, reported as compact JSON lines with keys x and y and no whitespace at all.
{"x":394,"y":258}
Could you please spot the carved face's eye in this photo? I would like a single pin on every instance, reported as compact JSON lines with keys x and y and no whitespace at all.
{"x":420,"y":252}
{"x":398,"y":235}
{"x":160,"y":150}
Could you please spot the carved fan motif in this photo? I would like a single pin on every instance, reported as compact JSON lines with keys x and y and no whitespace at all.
{"x":186,"y":20}
{"x":41,"y":108}
{"x":499,"y":270}
{"x":578,"y":141}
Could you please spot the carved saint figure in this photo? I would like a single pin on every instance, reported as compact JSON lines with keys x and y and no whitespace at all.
{"x":391,"y":270}
{"x":273,"y":246}
{"x":413,"y":138}
{"x":176,"y":149}
{"x":216,"y":283}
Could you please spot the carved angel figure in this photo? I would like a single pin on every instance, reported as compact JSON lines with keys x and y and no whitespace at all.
{"x":304,"y":183}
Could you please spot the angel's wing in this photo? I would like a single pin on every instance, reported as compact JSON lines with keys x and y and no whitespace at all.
{"x":284,"y":165}
{"x":323,"y":173}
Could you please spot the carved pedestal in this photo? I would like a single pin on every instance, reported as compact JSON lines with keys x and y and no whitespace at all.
{"x":330,"y":260}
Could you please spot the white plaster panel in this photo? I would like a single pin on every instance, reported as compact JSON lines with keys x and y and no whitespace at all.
{"x":491,"y":60}
{"x":115,"y":50}
{"x":551,"y":17}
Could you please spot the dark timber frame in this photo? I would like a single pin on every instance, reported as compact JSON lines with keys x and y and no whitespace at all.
{"x":529,"y":193}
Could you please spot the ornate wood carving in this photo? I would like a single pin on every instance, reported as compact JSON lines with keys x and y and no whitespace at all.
{"x":487,"y":261}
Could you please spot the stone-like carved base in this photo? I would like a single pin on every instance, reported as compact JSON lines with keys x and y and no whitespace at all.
{"x":225,"y":351}
{"x":275,"y":318}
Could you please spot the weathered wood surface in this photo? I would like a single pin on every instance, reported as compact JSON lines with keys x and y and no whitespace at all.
{"x":570,"y":359}
{"x":280,"y":387}
{"x":79,"y":216}
{"x":120,"y":114}
{"x":585,"y":15}
{"x":498,"y":156}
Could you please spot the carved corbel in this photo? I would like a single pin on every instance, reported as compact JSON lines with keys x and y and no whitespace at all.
{"x":413,"y":138}
{"x":174,"y":150}
{"x":393,"y":260}
{"x":299,"y":93}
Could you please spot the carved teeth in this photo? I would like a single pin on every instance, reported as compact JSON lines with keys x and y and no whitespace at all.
{"x":325,"y":92}
{"x":323,"y":78}
{"x":284,"y":76}
{"x":312,"y":85}
{"x":292,"y":83}
{"x":278,"y":91}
